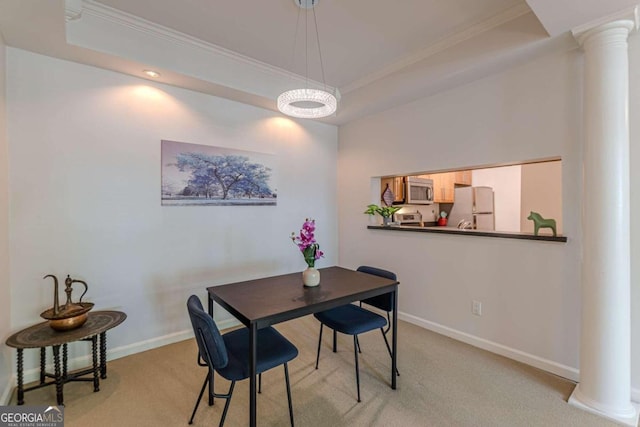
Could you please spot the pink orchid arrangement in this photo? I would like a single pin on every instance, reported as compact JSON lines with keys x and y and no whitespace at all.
{"x":307,"y":244}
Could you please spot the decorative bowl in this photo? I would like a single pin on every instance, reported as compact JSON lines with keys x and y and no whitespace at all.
{"x":68,"y":318}
{"x":68,"y":323}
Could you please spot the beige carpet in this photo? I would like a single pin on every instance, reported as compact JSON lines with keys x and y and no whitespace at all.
{"x":443,"y":383}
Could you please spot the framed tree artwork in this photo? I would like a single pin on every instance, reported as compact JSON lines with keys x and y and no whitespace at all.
{"x":204,"y":175}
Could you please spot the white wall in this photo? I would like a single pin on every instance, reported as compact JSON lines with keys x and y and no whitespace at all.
{"x":530,"y":290}
{"x":541,"y":193}
{"x":85,"y":188}
{"x":505,"y":182}
{"x":5,"y":290}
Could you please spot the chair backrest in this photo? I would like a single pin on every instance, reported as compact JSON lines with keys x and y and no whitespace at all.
{"x":383,"y":302}
{"x":210,"y":343}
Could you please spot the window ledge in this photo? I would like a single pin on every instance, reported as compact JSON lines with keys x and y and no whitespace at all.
{"x":452,"y":230}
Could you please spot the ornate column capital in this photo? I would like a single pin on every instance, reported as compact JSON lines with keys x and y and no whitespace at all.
{"x":626,"y":20}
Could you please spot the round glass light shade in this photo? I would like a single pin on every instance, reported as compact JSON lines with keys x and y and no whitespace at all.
{"x":307,"y":103}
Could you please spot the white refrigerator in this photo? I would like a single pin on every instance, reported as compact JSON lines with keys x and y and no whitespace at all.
{"x":473,"y":206}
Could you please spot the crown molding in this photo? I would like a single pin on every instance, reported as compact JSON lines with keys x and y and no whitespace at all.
{"x":72,"y":10}
{"x":98,"y":10}
{"x":627,"y":18}
{"x":442,"y":45}
{"x":118,"y":21}
{"x":78,"y":10}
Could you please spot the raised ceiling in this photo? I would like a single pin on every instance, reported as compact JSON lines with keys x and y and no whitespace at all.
{"x":378,"y":53}
{"x":358,"y":37}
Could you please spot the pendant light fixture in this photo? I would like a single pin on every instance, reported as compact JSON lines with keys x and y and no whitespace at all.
{"x":308,"y":102}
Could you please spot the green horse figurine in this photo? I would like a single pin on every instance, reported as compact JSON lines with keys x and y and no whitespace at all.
{"x":539,"y":222}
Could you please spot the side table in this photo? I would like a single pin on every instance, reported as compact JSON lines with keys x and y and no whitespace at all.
{"x":42,"y":336}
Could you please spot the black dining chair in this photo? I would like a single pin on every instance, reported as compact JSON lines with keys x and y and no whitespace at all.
{"x":228,"y":354}
{"x":353,"y":320}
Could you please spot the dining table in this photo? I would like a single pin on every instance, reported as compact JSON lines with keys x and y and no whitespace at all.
{"x":262,"y":302}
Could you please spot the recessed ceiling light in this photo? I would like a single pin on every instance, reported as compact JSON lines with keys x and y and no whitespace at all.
{"x":152,"y":73}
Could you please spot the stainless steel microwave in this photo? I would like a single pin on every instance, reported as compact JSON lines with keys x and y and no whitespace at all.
{"x":419,"y":191}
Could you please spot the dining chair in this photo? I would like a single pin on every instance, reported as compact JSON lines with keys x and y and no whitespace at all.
{"x":353,"y":320}
{"x":228,"y":354}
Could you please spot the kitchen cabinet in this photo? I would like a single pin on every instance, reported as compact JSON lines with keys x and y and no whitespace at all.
{"x":396,"y":185}
{"x":445,"y":183}
{"x":463,"y":177}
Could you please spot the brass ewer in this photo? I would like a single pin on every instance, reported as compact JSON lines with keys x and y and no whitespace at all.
{"x":70,"y":315}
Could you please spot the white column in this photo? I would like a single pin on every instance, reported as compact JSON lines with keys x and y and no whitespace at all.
{"x":605,"y":348}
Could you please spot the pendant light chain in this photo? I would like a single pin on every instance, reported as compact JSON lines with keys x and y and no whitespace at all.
{"x":306,"y":49}
{"x":324,"y":82}
{"x":292,"y":63}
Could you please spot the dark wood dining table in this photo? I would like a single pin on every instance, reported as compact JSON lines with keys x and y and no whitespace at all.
{"x":260,"y":303}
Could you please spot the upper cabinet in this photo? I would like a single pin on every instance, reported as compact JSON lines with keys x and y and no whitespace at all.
{"x":396,"y":186}
{"x":463,"y":177}
{"x":445,"y":183}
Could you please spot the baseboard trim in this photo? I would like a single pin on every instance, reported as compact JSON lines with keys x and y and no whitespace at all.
{"x":122,"y":351}
{"x":520,"y":356}
{"x":141,"y":346}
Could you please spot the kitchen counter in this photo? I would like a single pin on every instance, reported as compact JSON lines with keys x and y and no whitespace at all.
{"x":457,"y":231}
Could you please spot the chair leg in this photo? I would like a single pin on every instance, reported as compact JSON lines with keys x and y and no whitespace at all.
{"x":358,"y":341}
{"x":226,"y":405}
{"x":388,"y":348}
{"x":286,"y":378}
{"x":335,"y":341}
{"x":319,"y":343}
{"x":260,"y":382}
{"x":211,"y":387}
{"x":388,"y":324}
{"x":204,"y":386}
{"x":355,"y":352}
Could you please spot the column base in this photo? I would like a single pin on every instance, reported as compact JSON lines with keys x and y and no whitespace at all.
{"x":578,"y":402}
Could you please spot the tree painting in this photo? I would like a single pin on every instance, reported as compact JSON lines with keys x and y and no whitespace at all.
{"x":204,"y":175}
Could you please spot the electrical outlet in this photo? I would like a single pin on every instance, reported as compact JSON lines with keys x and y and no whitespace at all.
{"x":476,"y":308}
